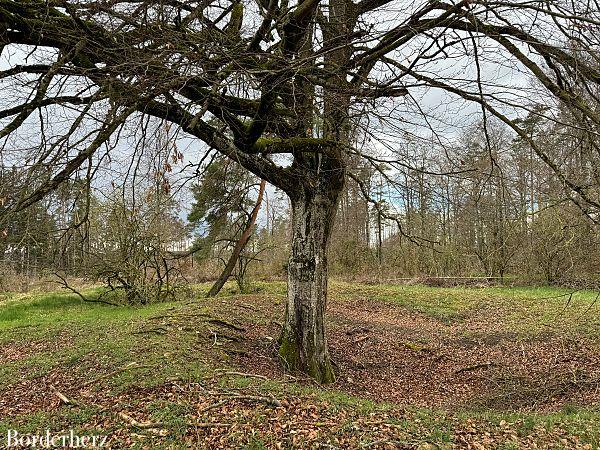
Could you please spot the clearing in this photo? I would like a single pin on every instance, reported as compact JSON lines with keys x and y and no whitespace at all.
{"x":419,"y":367}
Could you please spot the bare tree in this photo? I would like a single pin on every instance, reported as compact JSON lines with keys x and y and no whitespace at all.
{"x":277,"y":86}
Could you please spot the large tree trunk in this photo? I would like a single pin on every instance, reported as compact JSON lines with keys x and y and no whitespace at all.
{"x":303,"y":341}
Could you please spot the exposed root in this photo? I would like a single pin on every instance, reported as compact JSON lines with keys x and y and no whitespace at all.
{"x":474,"y":367}
{"x":224,"y":323}
{"x":131,"y":365}
{"x":242,"y":374}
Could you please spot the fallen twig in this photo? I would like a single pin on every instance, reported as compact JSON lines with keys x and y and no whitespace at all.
{"x":360,"y":339}
{"x":242,"y":374}
{"x":208,"y":425}
{"x":135,"y":423}
{"x":254,"y":398}
{"x":63,"y":398}
{"x":150,"y":425}
{"x":131,"y":365}
{"x":64,"y":283}
{"x":358,"y":330}
{"x":271,"y":401}
{"x":476,"y":367}
{"x":213,"y":406}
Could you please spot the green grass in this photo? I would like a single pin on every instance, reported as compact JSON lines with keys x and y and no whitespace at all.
{"x":91,"y":325}
{"x":55,"y":309}
{"x":83,"y":336}
{"x":522,"y":310}
{"x":75,"y":418}
{"x":529,"y":310}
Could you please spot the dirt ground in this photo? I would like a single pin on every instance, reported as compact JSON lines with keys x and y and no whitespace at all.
{"x":398,"y":358}
{"x":386,"y":353}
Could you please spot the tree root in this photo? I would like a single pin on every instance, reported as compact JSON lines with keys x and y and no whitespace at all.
{"x":242,"y":374}
{"x":235,"y":351}
{"x":157,"y":330}
{"x":476,"y":367}
{"x":132,"y":365}
{"x":224,"y":323}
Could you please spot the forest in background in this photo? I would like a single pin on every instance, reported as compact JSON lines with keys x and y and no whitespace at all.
{"x":503,"y":215}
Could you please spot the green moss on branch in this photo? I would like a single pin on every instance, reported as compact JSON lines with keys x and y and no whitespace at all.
{"x":290,"y":145}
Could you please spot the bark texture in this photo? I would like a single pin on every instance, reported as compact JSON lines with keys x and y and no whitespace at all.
{"x":303,"y":343}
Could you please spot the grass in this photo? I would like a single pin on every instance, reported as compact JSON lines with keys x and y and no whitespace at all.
{"x":527,"y":310}
{"x":56,"y":309}
{"x":84,"y":337}
{"x":57,"y":333}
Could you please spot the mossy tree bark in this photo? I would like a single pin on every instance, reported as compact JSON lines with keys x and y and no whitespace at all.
{"x":303,"y":342}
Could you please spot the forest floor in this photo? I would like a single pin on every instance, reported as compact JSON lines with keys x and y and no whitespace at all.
{"x":418,"y":367}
